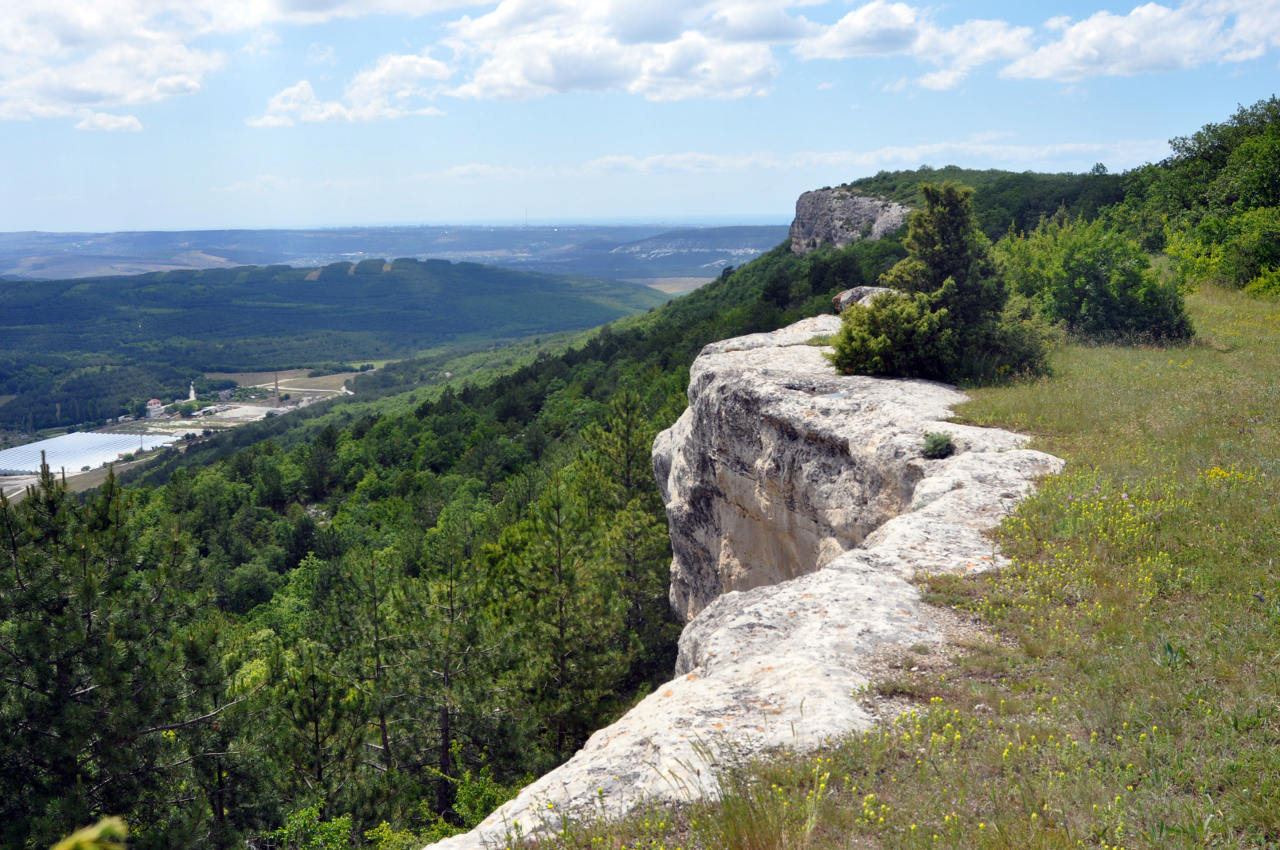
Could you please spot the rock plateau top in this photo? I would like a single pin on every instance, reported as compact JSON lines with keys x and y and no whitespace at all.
{"x":800,"y":509}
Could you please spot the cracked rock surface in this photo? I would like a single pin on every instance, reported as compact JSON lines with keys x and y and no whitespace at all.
{"x":800,"y":508}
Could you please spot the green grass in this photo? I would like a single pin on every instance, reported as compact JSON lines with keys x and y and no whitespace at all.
{"x":1132,"y":698}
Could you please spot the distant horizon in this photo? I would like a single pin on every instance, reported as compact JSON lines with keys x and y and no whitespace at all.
{"x":672,"y":221}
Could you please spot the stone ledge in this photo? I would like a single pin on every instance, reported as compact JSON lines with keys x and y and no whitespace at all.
{"x":800,"y":511}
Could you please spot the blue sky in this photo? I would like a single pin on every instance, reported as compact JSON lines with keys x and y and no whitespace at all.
{"x":172,"y":114}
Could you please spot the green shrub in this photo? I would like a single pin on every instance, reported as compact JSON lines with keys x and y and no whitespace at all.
{"x":1266,"y":284}
{"x":948,"y":320}
{"x":1092,"y":280}
{"x":1252,"y":247}
{"x":937,"y":445}
{"x":897,"y":335}
{"x":306,"y":829}
{"x":1228,"y":250}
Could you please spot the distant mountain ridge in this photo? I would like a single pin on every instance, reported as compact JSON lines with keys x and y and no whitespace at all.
{"x":620,"y":252}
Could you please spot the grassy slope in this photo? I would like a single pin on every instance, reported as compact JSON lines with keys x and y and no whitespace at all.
{"x":1131,"y":696}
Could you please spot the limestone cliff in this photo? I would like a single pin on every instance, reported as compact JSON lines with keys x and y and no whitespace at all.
{"x":800,"y":509}
{"x":842,"y":216}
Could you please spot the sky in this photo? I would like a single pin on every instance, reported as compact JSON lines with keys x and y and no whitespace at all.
{"x":186,"y":114}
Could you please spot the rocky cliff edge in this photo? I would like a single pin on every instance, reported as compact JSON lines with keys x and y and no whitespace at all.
{"x":842,"y":216}
{"x":800,"y":509}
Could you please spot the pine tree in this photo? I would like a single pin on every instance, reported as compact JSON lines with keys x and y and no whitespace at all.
{"x":91,"y":661}
{"x":631,"y":528}
{"x":567,"y":616}
{"x":448,"y":656}
{"x":318,"y":723}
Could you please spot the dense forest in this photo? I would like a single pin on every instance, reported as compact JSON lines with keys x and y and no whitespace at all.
{"x":77,"y":351}
{"x":382,"y":627}
{"x":1006,"y":200}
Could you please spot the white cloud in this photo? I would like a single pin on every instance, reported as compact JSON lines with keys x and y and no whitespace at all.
{"x":758,"y":20}
{"x":59,"y":58}
{"x":392,"y":88}
{"x":669,"y":50}
{"x":1153,"y":38}
{"x":881,"y":29}
{"x":942,"y":80}
{"x":120,"y":74}
{"x":71,"y":58}
{"x":660,"y":50}
{"x":964,"y":47}
{"x":876,"y":29}
{"x":260,"y":43}
{"x":110,"y":123}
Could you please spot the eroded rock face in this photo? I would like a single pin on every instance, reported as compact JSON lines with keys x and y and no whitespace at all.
{"x":800,"y":509}
{"x":779,"y":465}
{"x":840,"y":217}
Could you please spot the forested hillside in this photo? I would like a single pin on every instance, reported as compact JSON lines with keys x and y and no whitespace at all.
{"x":468,"y":587}
{"x":78,"y":351}
{"x":394,"y":621}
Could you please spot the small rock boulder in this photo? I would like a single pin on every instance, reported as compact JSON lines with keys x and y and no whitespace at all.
{"x":859,"y":294}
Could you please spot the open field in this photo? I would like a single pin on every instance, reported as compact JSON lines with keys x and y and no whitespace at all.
{"x":1129,"y":693}
{"x":291,"y":380}
{"x":672,"y":285}
{"x":253,"y":379}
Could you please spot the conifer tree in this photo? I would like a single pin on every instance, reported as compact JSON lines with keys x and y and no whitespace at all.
{"x":631,"y":528}
{"x":90,"y":660}
{"x":318,"y":724}
{"x":947,"y":319}
{"x":566,"y":614}
{"x":448,"y":656}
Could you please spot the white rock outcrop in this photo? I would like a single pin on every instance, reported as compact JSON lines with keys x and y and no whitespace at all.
{"x":841,"y":216}
{"x":800,"y":509}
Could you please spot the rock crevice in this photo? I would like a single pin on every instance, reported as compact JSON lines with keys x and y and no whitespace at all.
{"x":800,"y":510}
